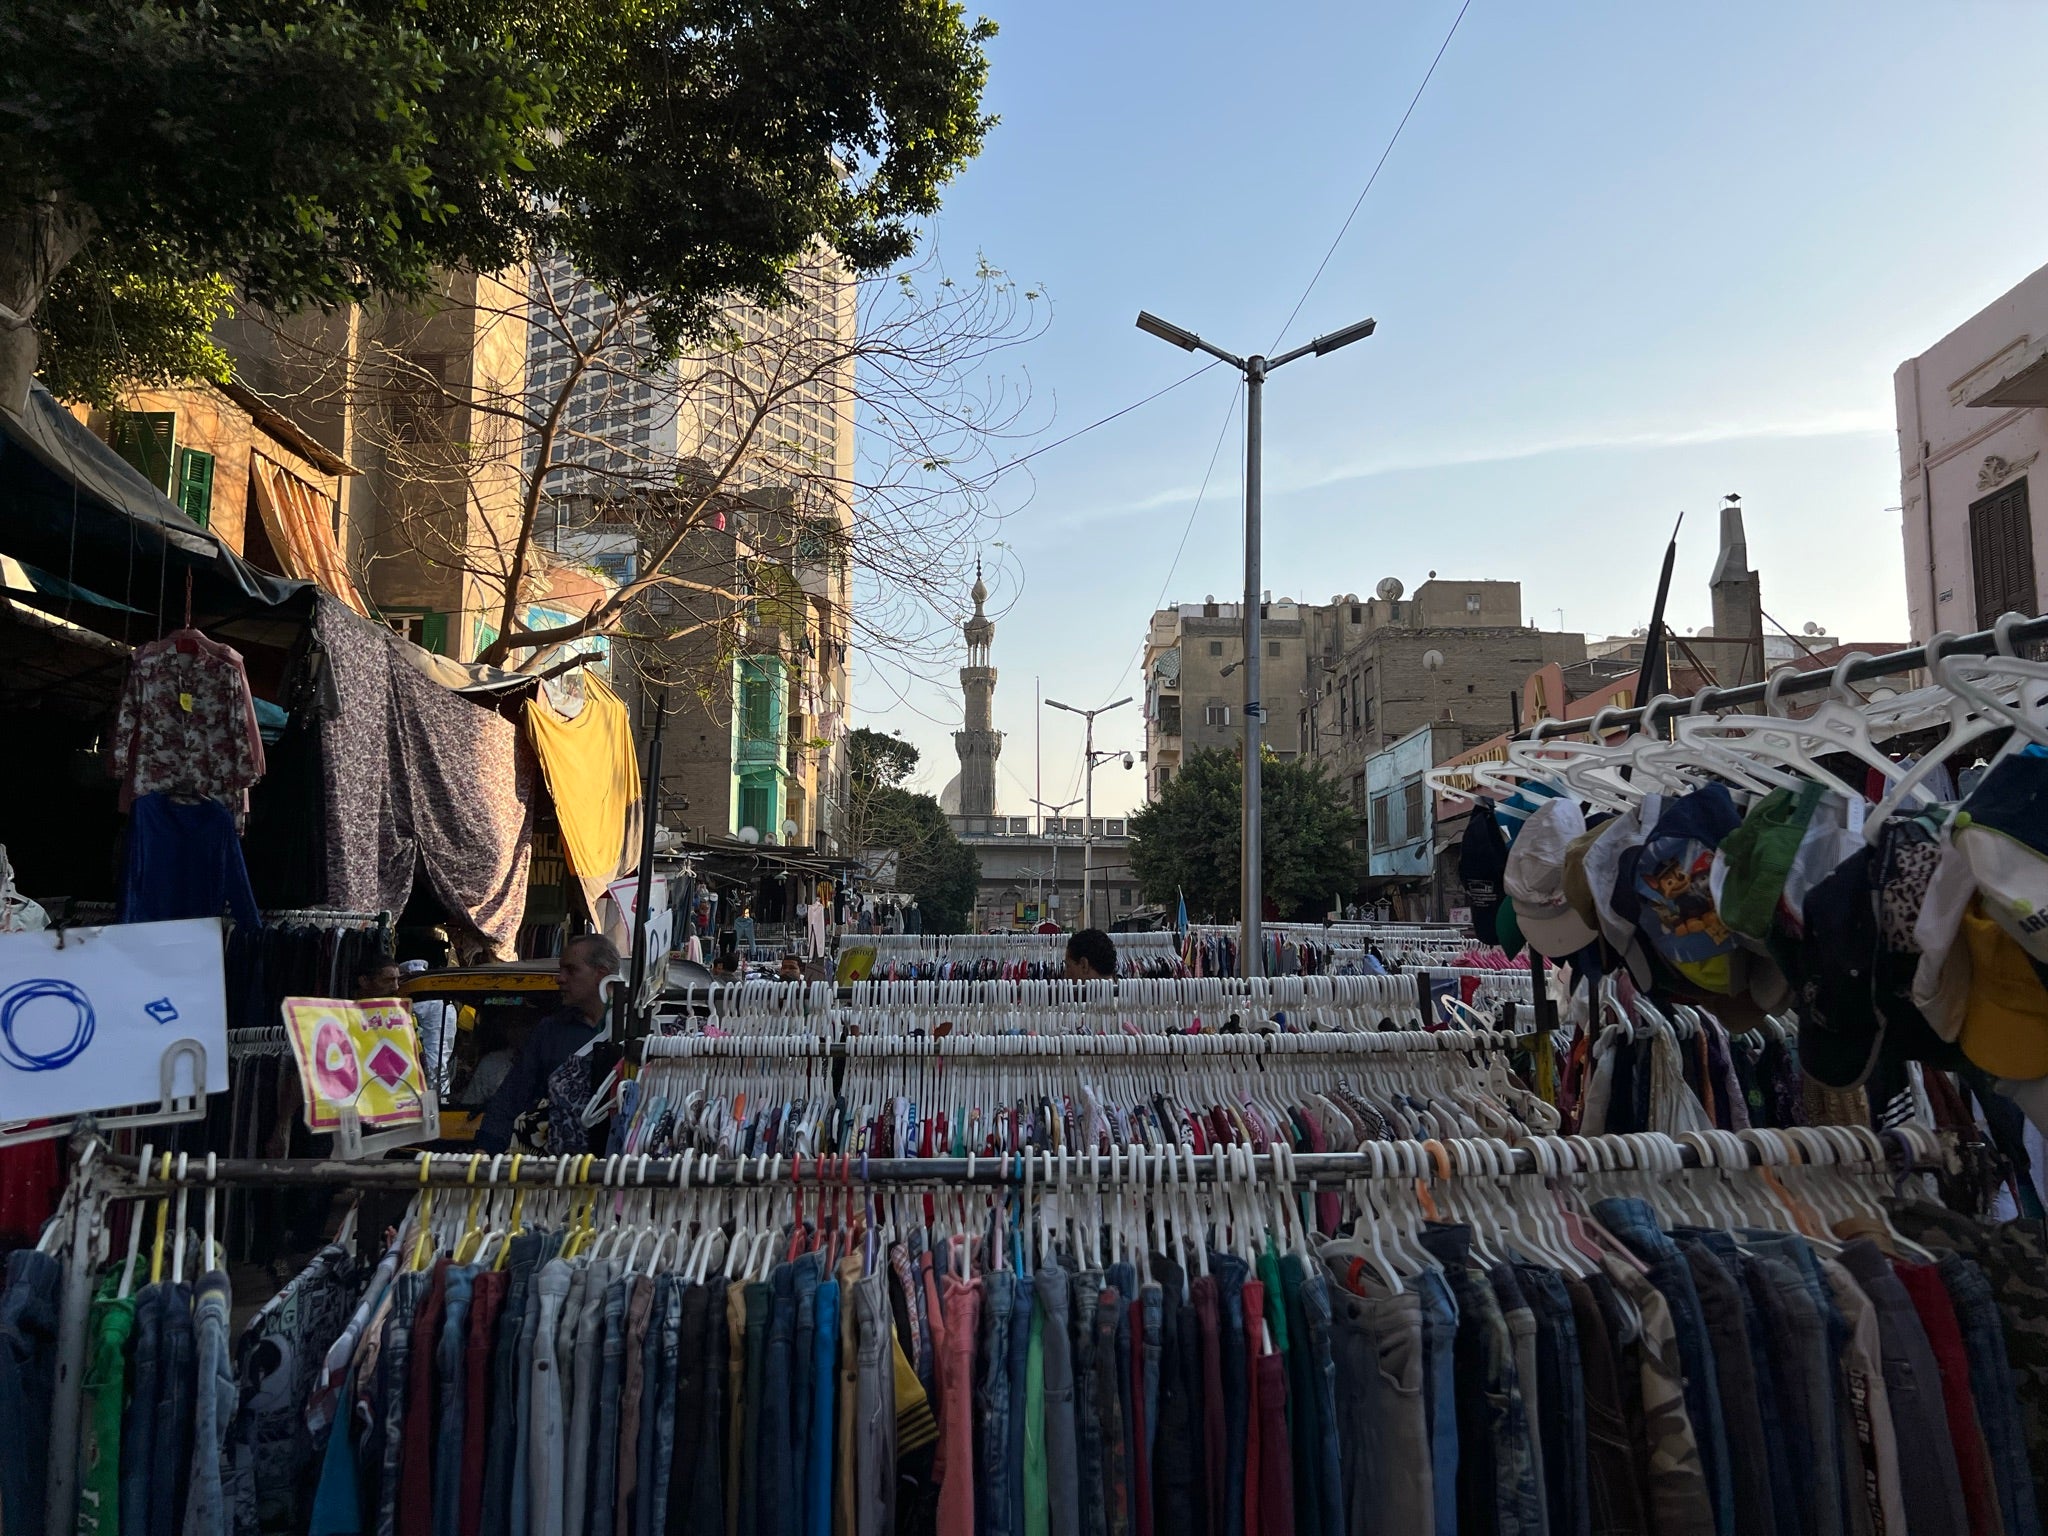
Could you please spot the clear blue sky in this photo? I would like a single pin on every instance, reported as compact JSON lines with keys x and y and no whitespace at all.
{"x":1625,"y":258}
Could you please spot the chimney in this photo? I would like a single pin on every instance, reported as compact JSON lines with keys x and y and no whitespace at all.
{"x":1738,"y":629}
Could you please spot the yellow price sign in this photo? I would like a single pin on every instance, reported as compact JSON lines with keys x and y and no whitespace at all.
{"x":364,"y":1054}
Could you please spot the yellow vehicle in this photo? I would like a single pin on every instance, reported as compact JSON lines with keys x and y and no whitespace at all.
{"x":493,"y":1008}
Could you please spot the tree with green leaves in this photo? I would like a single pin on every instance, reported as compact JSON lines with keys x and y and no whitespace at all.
{"x":931,"y":862}
{"x":681,"y":152}
{"x":1189,"y":840}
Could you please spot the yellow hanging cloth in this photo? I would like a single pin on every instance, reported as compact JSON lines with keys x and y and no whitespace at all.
{"x":594,"y":778}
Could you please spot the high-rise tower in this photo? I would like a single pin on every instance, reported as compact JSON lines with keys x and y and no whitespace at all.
{"x":980,"y":744}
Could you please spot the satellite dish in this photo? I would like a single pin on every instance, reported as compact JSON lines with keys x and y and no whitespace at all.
{"x":1810,"y":627}
{"x":1432,"y":661}
{"x":1389,"y":590}
{"x":789,"y":829}
{"x":750,"y":834}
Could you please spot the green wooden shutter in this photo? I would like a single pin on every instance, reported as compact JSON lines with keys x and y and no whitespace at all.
{"x":144,"y":439}
{"x":195,"y":484}
{"x":434,"y":632}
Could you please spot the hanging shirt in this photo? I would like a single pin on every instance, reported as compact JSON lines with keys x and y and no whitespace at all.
{"x":185,"y":724}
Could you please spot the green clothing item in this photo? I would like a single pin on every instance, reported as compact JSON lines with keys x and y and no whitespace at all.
{"x":1037,"y":1503}
{"x":1276,"y":1305}
{"x":105,"y":1385}
{"x":1757,"y":856}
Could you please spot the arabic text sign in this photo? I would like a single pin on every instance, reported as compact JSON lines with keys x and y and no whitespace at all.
{"x":84,"y":1026}
{"x":363,"y":1054}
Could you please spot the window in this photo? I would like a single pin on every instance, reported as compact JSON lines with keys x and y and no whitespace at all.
{"x":757,"y":710}
{"x":1343,"y":714}
{"x":1272,"y":647}
{"x":143,"y":438}
{"x":1379,"y":820}
{"x":1472,"y":603}
{"x":1169,"y":714}
{"x":195,"y":484}
{"x":1215,"y":647}
{"x":1123,"y":895}
{"x":1411,"y":809}
{"x":1356,"y":713}
{"x":2002,"y":553}
{"x":1356,"y":616}
{"x":1365,"y":709}
{"x":1358,"y":789}
{"x":757,"y":808}
{"x":1216,"y":714}
{"x":429,"y":631}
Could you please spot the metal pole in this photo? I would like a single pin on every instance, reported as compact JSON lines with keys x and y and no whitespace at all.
{"x":650,"y":808}
{"x":1088,"y":830}
{"x":1250,"y":891}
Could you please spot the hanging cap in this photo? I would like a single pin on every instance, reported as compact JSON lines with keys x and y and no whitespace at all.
{"x":1535,"y":878}
{"x":2005,"y":1021}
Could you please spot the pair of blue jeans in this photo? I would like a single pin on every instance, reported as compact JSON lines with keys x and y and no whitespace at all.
{"x":1230,"y":1272}
{"x":138,"y":1424}
{"x":992,"y":1400}
{"x":603,"y":1483}
{"x":775,"y":1499}
{"x":501,"y":1439}
{"x":658,"y":1408}
{"x":1086,"y":1288}
{"x":1561,"y":1389}
{"x":1632,"y":1221}
{"x":1440,"y":1393}
{"x":808,"y":1272}
{"x":824,"y":1418}
{"x":1320,"y":1400}
{"x":450,"y":1360}
{"x":213,"y":1410}
{"x":1994,"y":1389}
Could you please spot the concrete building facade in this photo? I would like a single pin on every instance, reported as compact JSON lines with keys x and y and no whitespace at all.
{"x":1973,"y":424}
{"x":758,"y":692}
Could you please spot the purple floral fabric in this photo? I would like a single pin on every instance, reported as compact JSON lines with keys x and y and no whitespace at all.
{"x":416,"y":773}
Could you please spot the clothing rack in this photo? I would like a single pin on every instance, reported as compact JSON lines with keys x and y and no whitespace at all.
{"x":997,"y":946}
{"x":2011,"y":631}
{"x":663,"y":1048}
{"x":1909,"y":1150}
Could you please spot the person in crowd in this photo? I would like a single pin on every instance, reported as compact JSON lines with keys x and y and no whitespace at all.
{"x":587,"y":960}
{"x":792,"y":968}
{"x":1091,"y":956}
{"x":378,"y":976}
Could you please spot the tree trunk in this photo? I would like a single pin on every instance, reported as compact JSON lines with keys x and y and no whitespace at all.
{"x":35,"y":245}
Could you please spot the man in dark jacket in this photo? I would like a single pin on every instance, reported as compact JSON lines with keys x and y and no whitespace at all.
{"x":586,"y":961}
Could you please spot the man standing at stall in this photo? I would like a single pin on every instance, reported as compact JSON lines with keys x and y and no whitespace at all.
{"x":559,"y":1063}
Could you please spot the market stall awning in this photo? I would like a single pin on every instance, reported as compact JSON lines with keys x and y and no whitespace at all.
{"x":72,"y":507}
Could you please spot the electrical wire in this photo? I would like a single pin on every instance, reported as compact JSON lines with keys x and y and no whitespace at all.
{"x":1375,"y":176}
{"x":1105,"y":421}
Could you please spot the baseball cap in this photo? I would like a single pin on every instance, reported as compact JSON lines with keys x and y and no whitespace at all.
{"x":1840,"y":1029}
{"x":2005,"y":1019}
{"x":1535,"y":879}
{"x":1518,"y":807}
{"x":1752,"y":862}
{"x":1507,"y":929}
{"x":1602,"y":870}
{"x":1482,"y":857}
{"x":1578,"y":890}
{"x":1673,"y":875}
{"x":2002,"y":829}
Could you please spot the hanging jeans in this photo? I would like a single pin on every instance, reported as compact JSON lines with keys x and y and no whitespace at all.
{"x":992,"y":1405}
{"x":1996,"y":1389}
{"x":213,"y":1410}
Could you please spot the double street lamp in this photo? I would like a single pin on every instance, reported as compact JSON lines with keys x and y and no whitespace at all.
{"x":1254,"y":369}
{"x":1088,"y":809}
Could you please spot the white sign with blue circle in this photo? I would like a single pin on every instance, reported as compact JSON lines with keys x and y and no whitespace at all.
{"x":87,"y":1014}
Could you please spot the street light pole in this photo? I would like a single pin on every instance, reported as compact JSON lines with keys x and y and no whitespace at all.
{"x":1088,"y":809}
{"x":1254,"y":370}
{"x":1043,"y":810}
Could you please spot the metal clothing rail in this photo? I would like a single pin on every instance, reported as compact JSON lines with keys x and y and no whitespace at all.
{"x":119,"y":1177}
{"x":1362,"y":1042}
{"x":2005,"y":636}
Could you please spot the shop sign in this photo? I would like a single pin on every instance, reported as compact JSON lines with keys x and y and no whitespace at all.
{"x":87,"y":1015}
{"x":364,"y":1054}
